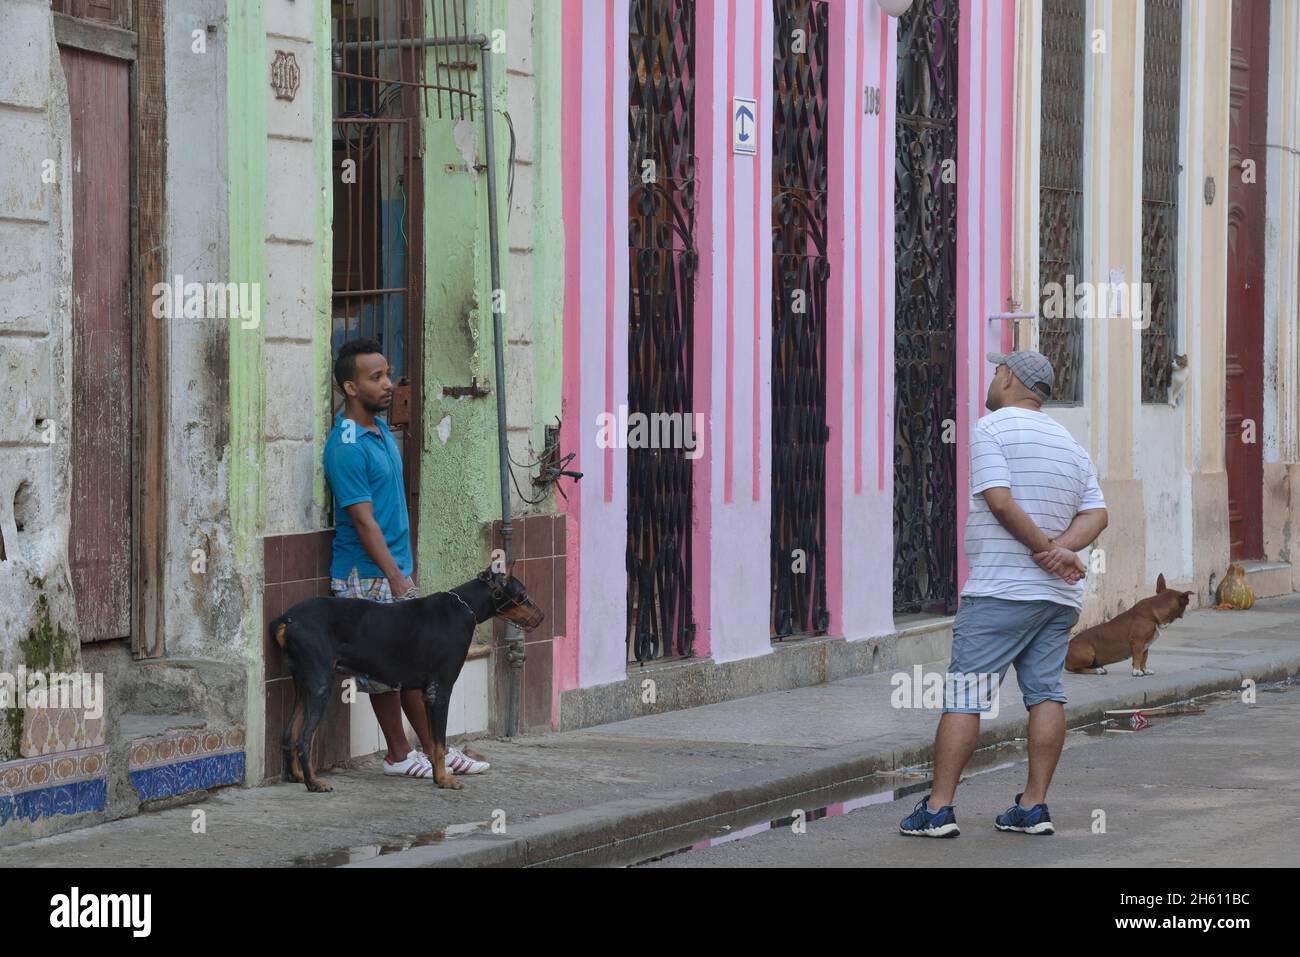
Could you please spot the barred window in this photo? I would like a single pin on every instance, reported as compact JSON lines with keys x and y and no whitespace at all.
{"x":1161,"y":86}
{"x":1060,"y":194}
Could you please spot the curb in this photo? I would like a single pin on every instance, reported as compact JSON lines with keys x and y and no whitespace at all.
{"x":629,"y":830}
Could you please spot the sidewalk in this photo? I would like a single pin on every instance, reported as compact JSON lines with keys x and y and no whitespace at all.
{"x":622,"y":792}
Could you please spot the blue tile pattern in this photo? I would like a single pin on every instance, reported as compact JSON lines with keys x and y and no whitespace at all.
{"x":78,"y":798}
{"x":182,"y":776}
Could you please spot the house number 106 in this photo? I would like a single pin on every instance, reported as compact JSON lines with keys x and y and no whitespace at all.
{"x":872,"y":96}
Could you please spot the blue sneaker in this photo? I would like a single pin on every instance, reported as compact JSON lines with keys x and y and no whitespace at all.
{"x":923,"y":823}
{"x":1034,"y":821}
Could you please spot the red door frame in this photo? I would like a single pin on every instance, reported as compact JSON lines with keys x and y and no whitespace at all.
{"x":1244,"y":348}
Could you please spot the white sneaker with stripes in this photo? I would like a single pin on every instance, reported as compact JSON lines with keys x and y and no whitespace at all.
{"x":414,"y":765}
{"x":458,"y":762}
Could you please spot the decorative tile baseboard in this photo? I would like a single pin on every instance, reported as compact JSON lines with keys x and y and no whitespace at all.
{"x":57,"y":730}
{"x":69,"y":783}
{"x":80,"y":798}
{"x":185,"y":776}
{"x":185,"y":761}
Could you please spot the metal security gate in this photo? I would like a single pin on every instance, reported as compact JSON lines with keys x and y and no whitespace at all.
{"x":1161,"y":100}
{"x":1060,"y":192}
{"x":925,"y":344}
{"x":799,"y":273}
{"x":661,"y":220}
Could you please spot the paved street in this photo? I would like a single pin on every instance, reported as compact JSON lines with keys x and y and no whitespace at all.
{"x":623,"y":792}
{"x":1215,"y":790}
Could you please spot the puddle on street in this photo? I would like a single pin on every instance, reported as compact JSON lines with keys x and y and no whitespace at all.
{"x":917,"y":780}
{"x":367,"y":852}
{"x":998,"y":757}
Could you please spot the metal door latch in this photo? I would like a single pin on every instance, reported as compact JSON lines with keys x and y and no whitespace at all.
{"x":471,"y":391}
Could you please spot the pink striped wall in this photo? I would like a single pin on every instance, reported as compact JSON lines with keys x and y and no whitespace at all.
{"x":565,"y":670}
{"x":984,"y":215}
{"x":595,"y":351}
{"x":708,"y":143}
{"x":733,"y":308}
{"x":860,"y":480}
{"x":840,"y":301}
{"x":741,"y":371}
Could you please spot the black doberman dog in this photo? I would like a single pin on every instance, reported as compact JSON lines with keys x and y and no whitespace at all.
{"x":417,"y":643}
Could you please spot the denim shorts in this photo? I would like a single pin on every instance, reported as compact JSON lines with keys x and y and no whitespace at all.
{"x":991,"y":634}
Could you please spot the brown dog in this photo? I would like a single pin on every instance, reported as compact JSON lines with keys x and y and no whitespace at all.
{"x":1127,"y":635}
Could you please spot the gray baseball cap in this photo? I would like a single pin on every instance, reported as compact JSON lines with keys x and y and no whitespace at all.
{"x":1030,"y":367}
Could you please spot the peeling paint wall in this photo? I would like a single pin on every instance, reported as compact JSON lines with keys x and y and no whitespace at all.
{"x":37,"y":614}
{"x":246,"y":157}
{"x":460,"y":492}
{"x":295,"y":320}
{"x":204,"y":594}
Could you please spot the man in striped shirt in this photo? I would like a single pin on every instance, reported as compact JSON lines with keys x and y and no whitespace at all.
{"x":1035,"y":502}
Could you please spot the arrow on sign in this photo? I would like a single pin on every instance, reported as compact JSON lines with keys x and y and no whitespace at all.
{"x":742,"y":114}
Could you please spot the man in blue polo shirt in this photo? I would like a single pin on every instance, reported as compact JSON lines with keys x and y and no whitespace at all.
{"x":372,"y":539}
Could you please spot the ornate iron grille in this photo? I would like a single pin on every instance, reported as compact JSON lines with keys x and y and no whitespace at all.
{"x":799,"y":273}
{"x":661,"y":158}
{"x":1161,"y":88}
{"x":925,"y":340}
{"x":1060,"y":193}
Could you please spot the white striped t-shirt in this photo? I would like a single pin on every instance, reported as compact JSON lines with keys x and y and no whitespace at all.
{"x":1050,"y":477}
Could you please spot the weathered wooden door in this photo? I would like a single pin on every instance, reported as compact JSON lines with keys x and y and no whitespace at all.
{"x":1248,"y":118}
{"x":101,"y":539}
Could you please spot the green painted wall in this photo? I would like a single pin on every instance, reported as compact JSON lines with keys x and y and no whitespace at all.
{"x":548,"y":222}
{"x":459,"y":489}
{"x":246,"y":161}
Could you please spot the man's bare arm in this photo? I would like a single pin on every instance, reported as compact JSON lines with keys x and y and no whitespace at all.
{"x":1083,"y":531}
{"x":1015,"y":519}
{"x":372,"y":540}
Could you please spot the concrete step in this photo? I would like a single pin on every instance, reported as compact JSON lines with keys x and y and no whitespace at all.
{"x":167,"y":687}
{"x":137,"y":727}
{"x":1268,"y":579}
{"x":175,"y":759}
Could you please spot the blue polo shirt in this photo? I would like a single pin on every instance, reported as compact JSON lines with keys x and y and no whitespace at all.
{"x":366,"y":469}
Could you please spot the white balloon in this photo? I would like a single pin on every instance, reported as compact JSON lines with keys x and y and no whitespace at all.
{"x":895,"y":8}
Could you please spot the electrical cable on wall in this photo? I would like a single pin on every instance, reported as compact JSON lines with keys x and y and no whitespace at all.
{"x":510,"y":167}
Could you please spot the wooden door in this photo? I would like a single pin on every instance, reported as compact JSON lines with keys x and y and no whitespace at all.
{"x":1244,"y":360}
{"x":102,"y":436}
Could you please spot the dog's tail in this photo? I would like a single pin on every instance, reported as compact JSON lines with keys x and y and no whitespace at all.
{"x":278,"y":628}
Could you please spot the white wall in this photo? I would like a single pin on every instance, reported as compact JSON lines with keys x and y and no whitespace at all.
{"x":35,"y":327}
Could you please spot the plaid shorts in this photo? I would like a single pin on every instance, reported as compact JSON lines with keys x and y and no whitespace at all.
{"x":371,"y":589}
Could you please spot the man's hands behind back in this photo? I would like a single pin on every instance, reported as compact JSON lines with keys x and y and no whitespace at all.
{"x":1059,"y":560}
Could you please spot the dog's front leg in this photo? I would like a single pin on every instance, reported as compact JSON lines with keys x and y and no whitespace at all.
{"x":1140,"y":660}
{"x":438,"y":701}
